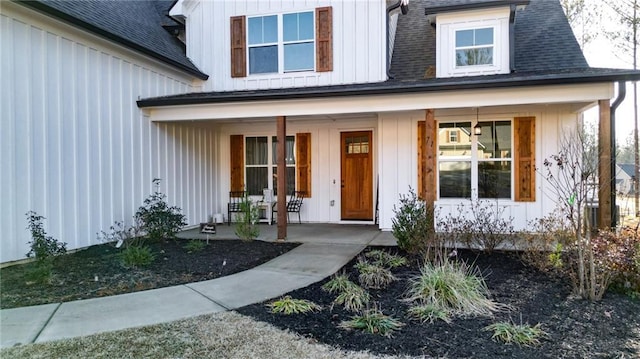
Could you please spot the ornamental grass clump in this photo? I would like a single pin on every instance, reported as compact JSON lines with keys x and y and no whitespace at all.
{"x":429,"y":313}
{"x":353,"y":298}
{"x":372,"y":275}
{"x":288,"y":305}
{"x":387,"y":260}
{"x":455,"y":288}
{"x":522,"y":334}
{"x":338,"y":284}
{"x":373,"y":321}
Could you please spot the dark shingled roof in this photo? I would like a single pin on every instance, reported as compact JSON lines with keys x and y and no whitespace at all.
{"x":543,"y":39}
{"x":134,"y":24}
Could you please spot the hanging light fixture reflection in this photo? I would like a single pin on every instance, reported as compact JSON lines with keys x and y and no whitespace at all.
{"x":477,"y":129}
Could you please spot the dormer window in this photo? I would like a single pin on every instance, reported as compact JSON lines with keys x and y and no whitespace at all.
{"x":474,"y":47}
{"x":472,"y":42}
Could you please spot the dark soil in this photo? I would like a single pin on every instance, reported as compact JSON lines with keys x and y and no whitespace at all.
{"x":98,"y":270}
{"x":576,"y":328}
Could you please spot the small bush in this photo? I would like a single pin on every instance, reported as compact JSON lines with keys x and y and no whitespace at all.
{"x":373,"y":276}
{"x":353,"y":298}
{"x":373,"y":321}
{"x":288,"y":305}
{"x":384,"y":259}
{"x":413,"y":224}
{"x":246,"y":228}
{"x":40,"y":273}
{"x":523,"y":334}
{"x":195,"y":245}
{"x":157,"y":218}
{"x":137,"y":256}
{"x":42,"y":246}
{"x":338,"y":284}
{"x":122,"y":234}
{"x":455,"y":288}
{"x":429,"y":313}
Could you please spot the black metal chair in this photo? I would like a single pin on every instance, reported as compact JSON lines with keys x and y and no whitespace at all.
{"x":235,"y":203}
{"x":294,"y":204}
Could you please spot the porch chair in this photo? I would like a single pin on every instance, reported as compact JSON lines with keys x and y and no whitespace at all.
{"x":294,"y":204}
{"x":235,"y":203}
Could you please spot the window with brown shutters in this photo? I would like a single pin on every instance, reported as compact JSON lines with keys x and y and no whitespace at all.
{"x":303,"y":163}
{"x":238,"y":47}
{"x":237,"y":162}
{"x":525,"y":161}
{"x":324,"y":39}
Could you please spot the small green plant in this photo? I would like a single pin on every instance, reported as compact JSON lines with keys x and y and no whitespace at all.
{"x":455,"y":288}
{"x":338,"y":284}
{"x":288,"y":305}
{"x":413,"y":223}
{"x":353,"y":298}
{"x":137,"y":256}
{"x":372,"y":275}
{"x":522,"y":334}
{"x":373,"y":321}
{"x":555,"y":257}
{"x":157,"y":218}
{"x":195,"y":245}
{"x":40,"y":273}
{"x":429,"y":313}
{"x":42,"y":246}
{"x":385,"y":259}
{"x":122,"y":234}
{"x":246,"y":228}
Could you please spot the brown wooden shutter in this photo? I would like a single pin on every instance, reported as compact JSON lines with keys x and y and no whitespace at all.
{"x":525,"y":160}
{"x":303,"y":163}
{"x":324,"y":39}
{"x":237,"y":162}
{"x":238,"y":47}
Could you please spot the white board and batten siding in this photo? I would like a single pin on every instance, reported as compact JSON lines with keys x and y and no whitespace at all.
{"x":75,"y":148}
{"x":398,"y":157}
{"x":359,"y":42}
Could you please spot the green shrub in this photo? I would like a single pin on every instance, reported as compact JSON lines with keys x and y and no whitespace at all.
{"x":157,"y":218}
{"x":413,"y":224}
{"x":455,"y":288}
{"x":40,"y":273}
{"x":523,"y":334}
{"x":338,"y":284}
{"x":288,"y":305}
{"x":373,"y":321}
{"x":385,"y":259}
{"x":372,"y":275}
{"x":137,"y":256}
{"x":353,"y":298}
{"x":195,"y":245}
{"x":42,"y":246}
{"x":122,"y":234}
{"x":246,"y":228}
{"x":429,"y":313}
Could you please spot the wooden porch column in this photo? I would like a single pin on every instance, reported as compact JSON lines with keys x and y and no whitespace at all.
{"x":605,"y":184}
{"x":282,"y":177}
{"x":429,"y":184}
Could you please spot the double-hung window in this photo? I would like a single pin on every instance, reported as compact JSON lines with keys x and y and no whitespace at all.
{"x":474,"y":47}
{"x":475,"y":164}
{"x":261,"y":163}
{"x":281,"y":43}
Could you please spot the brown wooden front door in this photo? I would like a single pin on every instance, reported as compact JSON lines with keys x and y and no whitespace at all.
{"x":357,"y":175}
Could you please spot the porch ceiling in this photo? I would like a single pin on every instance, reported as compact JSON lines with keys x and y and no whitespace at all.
{"x":364,"y":105}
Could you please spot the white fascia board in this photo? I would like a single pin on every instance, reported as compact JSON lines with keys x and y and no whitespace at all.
{"x":384,"y":103}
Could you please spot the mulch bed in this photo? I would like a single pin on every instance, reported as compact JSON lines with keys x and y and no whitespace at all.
{"x":97,"y":271}
{"x":577,"y":328}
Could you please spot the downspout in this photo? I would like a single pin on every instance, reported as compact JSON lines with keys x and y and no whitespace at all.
{"x":404,"y":7}
{"x":622,"y":93}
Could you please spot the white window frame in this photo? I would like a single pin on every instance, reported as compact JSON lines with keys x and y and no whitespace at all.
{"x":270,"y":164}
{"x":281,"y":43}
{"x":472,"y":47}
{"x":474,"y":159}
{"x":449,"y":23}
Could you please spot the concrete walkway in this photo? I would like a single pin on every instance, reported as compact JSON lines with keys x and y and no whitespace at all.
{"x":322,"y":253}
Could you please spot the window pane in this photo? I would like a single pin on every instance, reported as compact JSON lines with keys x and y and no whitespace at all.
{"x":257,"y":180}
{"x":494,"y":179}
{"x":305,"y":26}
{"x":290,"y":27}
{"x":263,"y":59}
{"x":290,"y":157}
{"x":480,"y":56}
{"x":495,"y":141}
{"x":255,"y":30}
{"x":464,"y":38}
{"x":291,"y":180}
{"x":298,"y":27}
{"x":298,"y":57}
{"x":455,"y":179}
{"x":270,"y":29}
{"x":461,"y":148}
{"x":484,"y":36}
{"x":263,"y":29}
{"x":256,"y":151}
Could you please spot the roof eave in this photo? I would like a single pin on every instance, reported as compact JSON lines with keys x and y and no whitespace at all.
{"x":474,"y":6}
{"x":36,"y":5}
{"x":392,"y":88}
